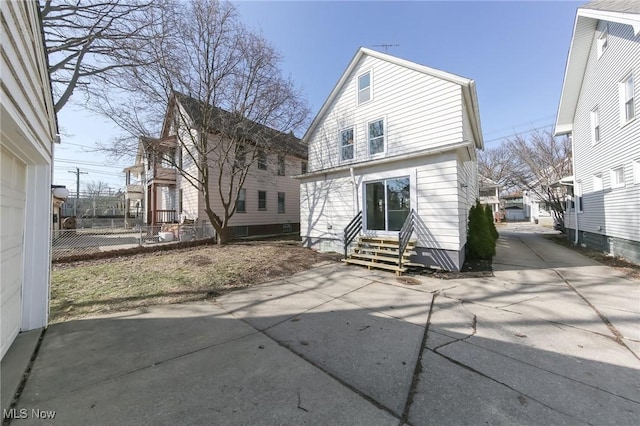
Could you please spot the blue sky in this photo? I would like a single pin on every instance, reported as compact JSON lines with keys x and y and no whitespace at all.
{"x":515,"y":51}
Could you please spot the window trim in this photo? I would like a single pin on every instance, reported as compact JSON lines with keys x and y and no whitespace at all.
{"x":282,"y":165}
{"x":623,"y":100}
{"x":353,"y":144}
{"x":370,"y":72}
{"x":262,"y":155}
{"x":614,"y":184}
{"x":596,"y":128}
{"x":383,"y":178}
{"x":636,"y":171}
{"x":578,"y":197}
{"x":265,"y":201}
{"x":303,"y":167}
{"x":244,"y":210}
{"x":284,"y":209}
{"x":384,"y":136}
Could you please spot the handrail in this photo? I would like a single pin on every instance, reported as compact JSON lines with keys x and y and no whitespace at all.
{"x":352,"y":230}
{"x":405,"y":234}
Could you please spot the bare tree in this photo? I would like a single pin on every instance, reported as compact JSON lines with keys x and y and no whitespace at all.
{"x":497,"y":164}
{"x":225,"y":94}
{"x":540,"y":161}
{"x":96,"y":189}
{"x":87,"y":39}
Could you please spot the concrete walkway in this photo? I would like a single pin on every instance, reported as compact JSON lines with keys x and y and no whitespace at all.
{"x":553,"y":338}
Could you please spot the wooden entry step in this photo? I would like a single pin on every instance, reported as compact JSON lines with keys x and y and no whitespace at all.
{"x":380,"y":253}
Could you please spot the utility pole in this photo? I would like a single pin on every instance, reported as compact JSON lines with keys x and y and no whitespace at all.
{"x":77,"y":172}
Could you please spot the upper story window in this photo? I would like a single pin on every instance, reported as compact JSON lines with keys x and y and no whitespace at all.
{"x":595,"y":126}
{"x":241,"y":156}
{"x":376,"y":134}
{"x":262,"y":200}
{"x":617,"y":177}
{"x":364,"y":87}
{"x":603,"y":40}
{"x":262,"y":160}
{"x":346,"y":144}
{"x":303,"y":167}
{"x":627,"y":110}
{"x":281,"y":165}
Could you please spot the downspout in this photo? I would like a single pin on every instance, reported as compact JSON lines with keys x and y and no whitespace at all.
{"x":575,"y":205}
{"x":356,"y":201}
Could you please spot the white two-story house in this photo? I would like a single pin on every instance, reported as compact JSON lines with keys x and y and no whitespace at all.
{"x":266,"y":204}
{"x":395,"y":142}
{"x":599,"y":108}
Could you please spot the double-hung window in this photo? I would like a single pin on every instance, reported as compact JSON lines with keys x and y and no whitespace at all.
{"x":597,"y":182}
{"x":364,"y":87}
{"x":617,"y":177}
{"x":376,"y":133}
{"x":281,"y":165}
{"x":346,"y":144}
{"x":262,"y":160}
{"x":241,"y":202}
{"x":280,"y":202}
{"x":262,"y":200}
{"x":627,"y":108}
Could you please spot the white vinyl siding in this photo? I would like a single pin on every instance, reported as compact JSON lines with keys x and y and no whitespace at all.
{"x":636,"y":171}
{"x":597,"y":182}
{"x":328,"y":205}
{"x":606,"y":211}
{"x":421,"y":112}
{"x":28,"y":131}
{"x":627,"y":107}
{"x":603,"y":40}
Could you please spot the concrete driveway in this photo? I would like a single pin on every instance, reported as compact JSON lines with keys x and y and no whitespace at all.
{"x":553,"y":338}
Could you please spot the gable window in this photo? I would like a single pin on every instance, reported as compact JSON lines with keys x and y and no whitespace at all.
{"x":346,"y":144}
{"x":280,"y":202}
{"x":603,"y":40}
{"x":281,"y":165}
{"x":597,"y":182}
{"x":241,"y":156}
{"x":627,"y":110}
{"x":595,"y":126}
{"x":364,"y":87}
{"x":617,"y":177}
{"x":387,"y":204}
{"x":262,"y":200}
{"x":303,"y":167}
{"x":262,"y":160}
{"x":376,"y":137}
{"x":241,"y":202}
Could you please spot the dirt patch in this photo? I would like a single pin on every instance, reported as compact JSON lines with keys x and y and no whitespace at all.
{"x":630,"y":269}
{"x":470,"y":269}
{"x":90,"y":287}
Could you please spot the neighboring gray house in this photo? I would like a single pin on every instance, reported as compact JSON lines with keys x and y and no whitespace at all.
{"x":599,"y":107}
{"x":29,"y":130}
{"x":393,"y":137}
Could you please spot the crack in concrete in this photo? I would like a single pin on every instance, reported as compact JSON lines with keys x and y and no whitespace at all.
{"x":473,"y":370}
{"x":619,"y":338}
{"x":417,"y":372}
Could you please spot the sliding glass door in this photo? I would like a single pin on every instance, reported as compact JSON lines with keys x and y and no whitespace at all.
{"x":387,"y":204}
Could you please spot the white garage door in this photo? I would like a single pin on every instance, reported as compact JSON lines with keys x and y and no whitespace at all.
{"x":12,"y":218}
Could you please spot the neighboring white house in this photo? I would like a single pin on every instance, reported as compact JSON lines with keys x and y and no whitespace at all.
{"x":489,"y":195}
{"x":599,"y":107}
{"x":393,"y":136}
{"x":28,"y":130}
{"x":268,"y":202}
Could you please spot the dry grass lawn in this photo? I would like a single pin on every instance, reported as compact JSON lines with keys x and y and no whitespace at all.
{"x":89,"y":288}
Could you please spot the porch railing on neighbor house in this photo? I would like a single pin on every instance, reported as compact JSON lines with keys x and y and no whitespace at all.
{"x":163,"y":216}
{"x":405,"y":235}
{"x":351,"y":231}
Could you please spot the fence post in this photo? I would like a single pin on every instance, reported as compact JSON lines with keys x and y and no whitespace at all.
{"x":140,"y":237}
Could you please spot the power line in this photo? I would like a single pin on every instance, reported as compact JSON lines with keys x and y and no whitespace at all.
{"x":518,"y":133}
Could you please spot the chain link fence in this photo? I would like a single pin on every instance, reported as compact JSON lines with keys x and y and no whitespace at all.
{"x":87,"y":241}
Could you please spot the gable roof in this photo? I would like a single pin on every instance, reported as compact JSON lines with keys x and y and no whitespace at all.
{"x":468,"y":89}
{"x":221,"y":121}
{"x":587,"y":17}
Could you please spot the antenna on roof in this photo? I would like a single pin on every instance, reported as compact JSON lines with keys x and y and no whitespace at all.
{"x":386,"y":46}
